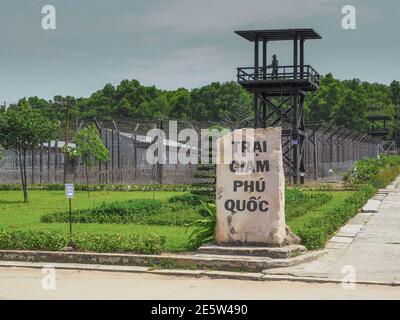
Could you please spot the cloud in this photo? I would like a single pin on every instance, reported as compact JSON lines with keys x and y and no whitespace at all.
{"x":208,"y":15}
{"x":189,"y":67}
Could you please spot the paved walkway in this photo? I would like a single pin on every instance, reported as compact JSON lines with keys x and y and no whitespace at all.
{"x":24,"y":283}
{"x":369,"y":245}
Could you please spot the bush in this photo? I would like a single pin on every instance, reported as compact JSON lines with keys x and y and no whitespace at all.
{"x":377,"y":172}
{"x":116,"y":212}
{"x":148,"y":244}
{"x":203,"y":229}
{"x":191,"y":199}
{"x":51,"y":241}
{"x":317,"y":231}
{"x":385,"y":177}
{"x":367,"y":176}
{"x":29,"y":240}
{"x":312,"y":238}
{"x":153,"y":212}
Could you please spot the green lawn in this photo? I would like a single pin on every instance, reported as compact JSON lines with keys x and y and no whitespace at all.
{"x":16,"y":215}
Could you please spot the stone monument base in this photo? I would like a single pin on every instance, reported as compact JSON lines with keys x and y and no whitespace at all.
{"x":285,"y":252}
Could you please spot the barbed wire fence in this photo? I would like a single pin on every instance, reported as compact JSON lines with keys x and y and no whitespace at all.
{"x":329,"y":150}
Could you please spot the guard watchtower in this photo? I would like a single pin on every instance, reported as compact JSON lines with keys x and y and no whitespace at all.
{"x":279,"y":91}
{"x":377,"y":130}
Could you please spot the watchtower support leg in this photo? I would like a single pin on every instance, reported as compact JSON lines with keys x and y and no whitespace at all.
{"x":301,"y":58}
{"x":295,"y":55}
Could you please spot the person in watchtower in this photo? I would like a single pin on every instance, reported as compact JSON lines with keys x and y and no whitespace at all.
{"x":275,"y":66}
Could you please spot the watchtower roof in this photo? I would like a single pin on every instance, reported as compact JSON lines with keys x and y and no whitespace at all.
{"x":278,"y":34}
{"x":379,"y":118}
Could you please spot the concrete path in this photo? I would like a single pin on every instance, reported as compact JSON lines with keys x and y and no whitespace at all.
{"x":366,"y":249}
{"x":27,"y":283}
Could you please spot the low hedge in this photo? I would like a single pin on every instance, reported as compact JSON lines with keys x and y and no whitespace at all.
{"x":147,"y":244}
{"x":51,"y":241}
{"x":146,"y":211}
{"x":192,"y":199}
{"x":108,"y":187}
{"x":29,"y":240}
{"x":114,"y":212}
{"x":368,"y":176}
{"x":377,"y":172}
{"x":386,"y":176}
{"x":317,"y":231}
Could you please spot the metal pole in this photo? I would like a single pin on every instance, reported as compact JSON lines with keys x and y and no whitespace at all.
{"x":255,"y":98}
{"x":55,"y":160}
{"x":301,"y":58}
{"x":66,"y":141}
{"x":70,"y":222}
{"x":295,"y":54}
{"x":264,"y":59}
{"x":315,"y":156}
{"x":295,"y":138}
{"x":160,"y":165}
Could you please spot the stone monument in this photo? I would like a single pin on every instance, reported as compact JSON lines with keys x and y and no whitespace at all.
{"x":250,"y":190}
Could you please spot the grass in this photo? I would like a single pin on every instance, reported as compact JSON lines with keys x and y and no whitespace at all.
{"x":15,"y":215}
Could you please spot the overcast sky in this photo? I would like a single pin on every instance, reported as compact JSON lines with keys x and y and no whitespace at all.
{"x":182,"y":43}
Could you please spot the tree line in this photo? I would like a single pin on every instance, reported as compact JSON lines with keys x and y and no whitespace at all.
{"x":346,"y":102}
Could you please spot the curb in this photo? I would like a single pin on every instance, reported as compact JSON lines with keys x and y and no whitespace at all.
{"x":187,"y":273}
{"x":190,"y":261}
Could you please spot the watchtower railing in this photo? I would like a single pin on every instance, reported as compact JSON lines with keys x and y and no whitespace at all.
{"x":304,"y":72}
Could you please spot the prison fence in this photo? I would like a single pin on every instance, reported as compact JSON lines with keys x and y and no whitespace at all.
{"x":328,"y":151}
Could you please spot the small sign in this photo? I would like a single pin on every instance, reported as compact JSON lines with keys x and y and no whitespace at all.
{"x":69,"y":190}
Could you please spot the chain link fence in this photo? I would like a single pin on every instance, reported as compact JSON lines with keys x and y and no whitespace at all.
{"x":329,"y":150}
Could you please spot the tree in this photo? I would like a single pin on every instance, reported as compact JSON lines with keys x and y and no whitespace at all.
{"x":395,"y":92}
{"x":180,"y":104}
{"x":89,"y":148}
{"x":240,"y":117}
{"x":351,"y":110}
{"x":321,"y":105}
{"x":23,"y":128}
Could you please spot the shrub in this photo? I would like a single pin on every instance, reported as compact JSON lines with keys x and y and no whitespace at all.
{"x":385,"y":177}
{"x":312,"y":238}
{"x":29,"y":240}
{"x":148,"y":244}
{"x":39,"y":240}
{"x":115,"y":212}
{"x":191,"y":199}
{"x":178,"y":214}
{"x":315,"y":233}
{"x":133,"y":211}
{"x":377,"y":172}
{"x":203,"y":229}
